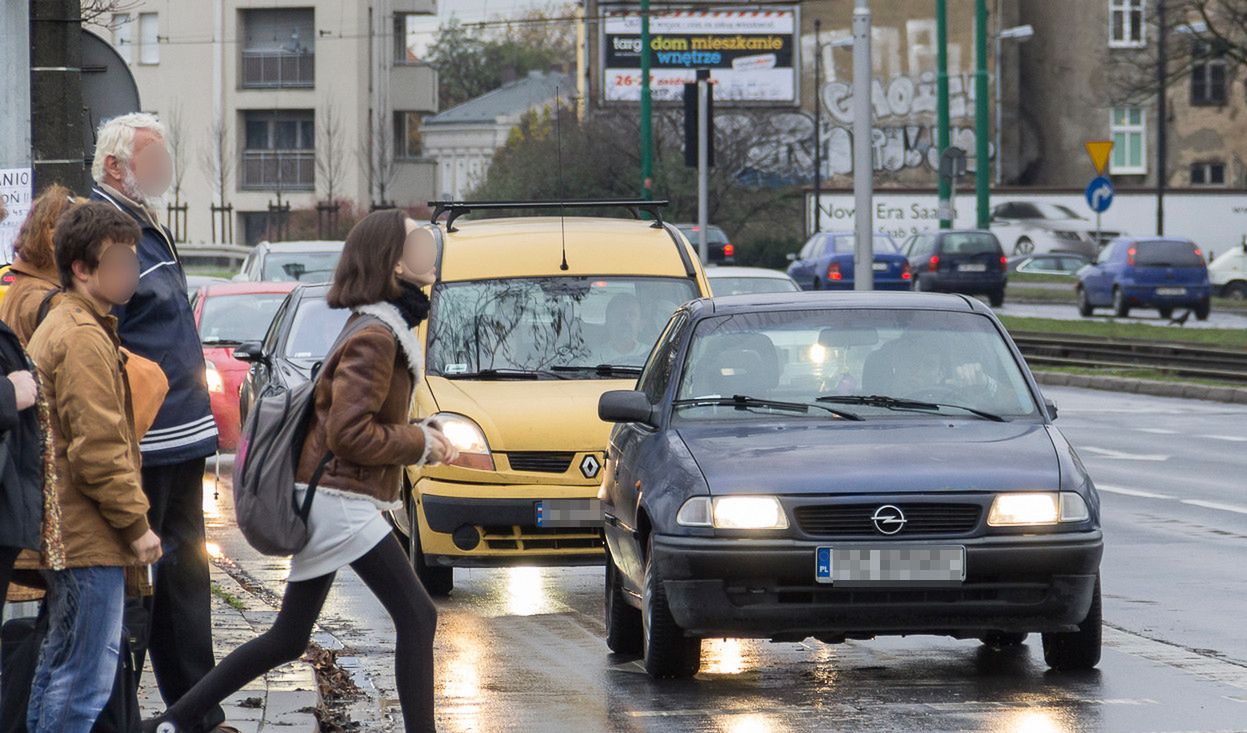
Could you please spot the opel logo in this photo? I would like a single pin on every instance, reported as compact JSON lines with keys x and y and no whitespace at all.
{"x":888,"y":519}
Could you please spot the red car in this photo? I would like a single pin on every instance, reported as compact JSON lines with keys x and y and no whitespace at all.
{"x":228,"y":314}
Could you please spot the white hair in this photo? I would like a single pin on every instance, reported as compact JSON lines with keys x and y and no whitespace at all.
{"x":116,"y":138}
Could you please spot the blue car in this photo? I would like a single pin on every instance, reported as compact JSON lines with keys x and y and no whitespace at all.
{"x":1159,"y":272}
{"x":843,"y":465}
{"x":826,"y":263}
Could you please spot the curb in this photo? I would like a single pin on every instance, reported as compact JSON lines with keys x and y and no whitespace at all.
{"x":1185,"y":390}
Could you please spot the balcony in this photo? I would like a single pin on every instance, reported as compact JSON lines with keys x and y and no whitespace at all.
{"x":278,"y":70}
{"x":413,"y":87}
{"x":271,"y":170}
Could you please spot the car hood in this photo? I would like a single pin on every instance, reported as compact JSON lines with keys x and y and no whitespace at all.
{"x":876,"y":456}
{"x":528,"y":415}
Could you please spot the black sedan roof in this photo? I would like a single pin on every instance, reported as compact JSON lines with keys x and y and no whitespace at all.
{"x":755,"y":302}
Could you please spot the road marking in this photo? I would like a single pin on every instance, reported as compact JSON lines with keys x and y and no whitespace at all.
{"x":1117,"y":455}
{"x":1216,"y":505}
{"x":1227,"y":438}
{"x":1131,"y":492}
{"x":1173,"y":655}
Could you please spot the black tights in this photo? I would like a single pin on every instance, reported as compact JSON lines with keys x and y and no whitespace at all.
{"x":388,"y":574}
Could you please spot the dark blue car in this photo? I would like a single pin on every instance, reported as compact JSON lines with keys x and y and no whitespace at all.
{"x":826,"y":263}
{"x":1160,"y":272}
{"x":841,"y":466}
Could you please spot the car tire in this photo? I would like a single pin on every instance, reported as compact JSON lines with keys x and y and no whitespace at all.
{"x":1023,"y":246}
{"x":623,"y":622}
{"x":436,"y":580}
{"x":1077,"y":650}
{"x":1003,"y":639}
{"x":996,"y":298}
{"x":1120,"y":309}
{"x":1166,"y":312}
{"x":1085,"y":309}
{"x":1236,"y":290}
{"x":668,"y":653}
{"x":1203,"y":309}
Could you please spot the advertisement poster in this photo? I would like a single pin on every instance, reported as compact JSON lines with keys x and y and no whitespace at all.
{"x":17,"y":191}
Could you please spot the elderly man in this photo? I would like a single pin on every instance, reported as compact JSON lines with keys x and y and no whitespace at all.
{"x":132,"y":171}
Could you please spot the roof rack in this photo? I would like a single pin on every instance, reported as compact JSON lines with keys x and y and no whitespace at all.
{"x":456,"y":209}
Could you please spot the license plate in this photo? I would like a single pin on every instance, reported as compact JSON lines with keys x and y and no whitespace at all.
{"x":972,"y":268}
{"x":1171,"y":291}
{"x":569,"y":513}
{"x":881,"y":266}
{"x":859,"y":566}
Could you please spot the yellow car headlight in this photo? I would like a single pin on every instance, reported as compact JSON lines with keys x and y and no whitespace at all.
{"x":468,"y":438}
{"x":749,"y":512}
{"x":1037,"y":508}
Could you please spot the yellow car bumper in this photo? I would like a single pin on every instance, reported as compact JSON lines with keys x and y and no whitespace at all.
{"x":475,"y":525}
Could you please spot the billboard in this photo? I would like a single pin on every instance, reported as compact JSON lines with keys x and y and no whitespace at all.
{"x":752,"y":54}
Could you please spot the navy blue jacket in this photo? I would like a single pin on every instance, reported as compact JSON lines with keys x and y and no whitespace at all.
{"x":158,"y":323}
{"x":21,"y":466}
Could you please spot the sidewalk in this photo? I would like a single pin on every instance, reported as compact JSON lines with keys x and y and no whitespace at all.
{"x":282,"y":701}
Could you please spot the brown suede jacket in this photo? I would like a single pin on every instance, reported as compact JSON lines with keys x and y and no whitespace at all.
{"x":362,"y":408}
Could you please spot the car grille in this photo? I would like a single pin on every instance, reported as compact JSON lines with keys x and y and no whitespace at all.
{"x":498,"y":537}
{"x":541,"y":461}
{"x":835,"y":520}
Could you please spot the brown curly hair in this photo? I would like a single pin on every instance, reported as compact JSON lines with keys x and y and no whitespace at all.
{"x":34,"y":240}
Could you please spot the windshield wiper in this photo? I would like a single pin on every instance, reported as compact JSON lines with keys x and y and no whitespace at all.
{"x":505,"y":374}
{"x":605,"y":370}
{"x":744,"y":402}
{"x":894,"y":403}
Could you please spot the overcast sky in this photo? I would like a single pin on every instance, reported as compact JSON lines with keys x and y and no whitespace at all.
{"x":471,"y":11}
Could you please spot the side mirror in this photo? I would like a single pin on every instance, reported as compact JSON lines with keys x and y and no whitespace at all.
{"x":624,"y":406}
{"x":250,"y":352}
{"x":1050,"y":405}
{"x":792,"y":256}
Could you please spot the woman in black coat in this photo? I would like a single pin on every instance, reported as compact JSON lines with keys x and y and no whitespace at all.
{"x":21,"y":457}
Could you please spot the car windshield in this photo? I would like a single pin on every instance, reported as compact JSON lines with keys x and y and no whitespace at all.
{"x":237,"y":318}
{"x":551,"y":327}
{"x":970,"y":243}
{"x":1167,"y":254}
{"x":308,"y":267}
{"x":745,"y":285}
{"x":314,"y":329}
{"x":1056,"y":211}
{"x":844,"y":244}
{"x":955,"y":363}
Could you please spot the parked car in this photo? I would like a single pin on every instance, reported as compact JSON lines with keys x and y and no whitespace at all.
{"x":309,"y":262}
{"x":897,"y":474}
{"x":195,"y":282}
{"x":959,"y":261}
{"x":298,"y":338}
{"x":1061,"y":265}
{"x":1156,"y":272}
{"x":826,"y":263}
{"x":532,"y":319}
{"x":229,"y":315}
{"x":1228,"y":273}
{"x":721,"y":249}
{"x":1027,"y":227}
{"x":743,"y":280}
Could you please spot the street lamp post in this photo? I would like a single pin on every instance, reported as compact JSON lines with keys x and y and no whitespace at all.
{"x":1021,"y":34}
{"x":818,"y":123}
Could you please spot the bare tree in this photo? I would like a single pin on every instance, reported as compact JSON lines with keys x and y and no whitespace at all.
{"x":216,"y":160}
{"x":330,"y":151}
{"x":376,"y":155}
{"x":175,"y":130}
{"x":99,"y":11}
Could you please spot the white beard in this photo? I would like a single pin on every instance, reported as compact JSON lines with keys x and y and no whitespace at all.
{"x":131,"y":188}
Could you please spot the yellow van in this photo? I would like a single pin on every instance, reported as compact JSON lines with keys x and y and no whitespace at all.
{"x":532,"y":319}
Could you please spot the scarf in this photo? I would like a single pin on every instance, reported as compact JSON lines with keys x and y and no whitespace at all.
{"x":412,"y":303}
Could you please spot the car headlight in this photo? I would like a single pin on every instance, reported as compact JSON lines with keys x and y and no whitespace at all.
{"x":213,"y":378}
{"x":733,"y":512}
{"x":468,"y":438}
{"x":1038,"y":508}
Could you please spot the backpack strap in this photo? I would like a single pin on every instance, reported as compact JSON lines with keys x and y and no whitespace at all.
{"x":45,"y":305}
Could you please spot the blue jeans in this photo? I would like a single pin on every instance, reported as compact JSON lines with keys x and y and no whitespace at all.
{"x":78,"y":660}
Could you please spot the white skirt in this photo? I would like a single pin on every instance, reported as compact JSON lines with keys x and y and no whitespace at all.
{"x":341,"y":529}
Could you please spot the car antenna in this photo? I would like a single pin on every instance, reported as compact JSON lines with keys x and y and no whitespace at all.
{"x":558,"y":136}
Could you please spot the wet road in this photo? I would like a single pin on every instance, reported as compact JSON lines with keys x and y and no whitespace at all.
{"x":523,"y":650}
{"x":1063,"y":312}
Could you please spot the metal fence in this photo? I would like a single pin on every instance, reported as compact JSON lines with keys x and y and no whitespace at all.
{"x":278,"y":69}
{"x":287,"y":170}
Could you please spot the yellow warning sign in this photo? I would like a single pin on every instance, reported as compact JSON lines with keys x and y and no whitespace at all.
{"x":1099,"y":150}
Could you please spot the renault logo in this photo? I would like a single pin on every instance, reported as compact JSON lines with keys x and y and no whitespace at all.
{"x":888,"y":519}
{"x":590,"y":466}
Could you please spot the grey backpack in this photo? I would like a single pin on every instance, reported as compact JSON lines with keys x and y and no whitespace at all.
{"x":268,"y":511}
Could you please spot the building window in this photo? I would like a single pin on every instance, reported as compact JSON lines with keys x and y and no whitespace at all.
{"x":1208,"y":173}
{"x":1126,"y":23}
{"x":406,"y":32}
{"x":123,"y":35}
{"x":1207,"y":75}
{"x":279,"y":150}
{"x":1129,"y":131}
{"x":278,"y":48}
{"x":407,"y":142}
{"x":149,"y":38}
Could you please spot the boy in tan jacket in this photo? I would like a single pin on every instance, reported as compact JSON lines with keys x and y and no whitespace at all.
{"x":103,"y":511}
